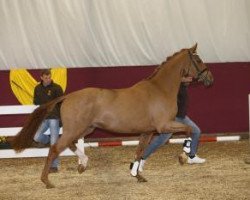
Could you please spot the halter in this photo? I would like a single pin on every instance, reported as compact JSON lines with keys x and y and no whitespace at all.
{"x":200,"y":73}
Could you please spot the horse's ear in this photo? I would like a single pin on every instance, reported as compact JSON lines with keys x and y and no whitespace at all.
{"x":193,"y":49}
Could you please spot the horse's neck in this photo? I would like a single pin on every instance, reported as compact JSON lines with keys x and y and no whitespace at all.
{"x":169,"y":76}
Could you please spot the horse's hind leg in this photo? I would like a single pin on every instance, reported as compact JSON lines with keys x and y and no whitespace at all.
{"x":64,"y":141}
{"x":52,"y":155}
{"x":82,"y":158}
{"x":143,"y":143}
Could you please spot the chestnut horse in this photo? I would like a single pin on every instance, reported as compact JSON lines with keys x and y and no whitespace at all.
{"x":148,"y":107}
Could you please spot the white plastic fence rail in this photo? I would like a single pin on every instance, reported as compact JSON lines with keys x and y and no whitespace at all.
{"x":35,"y":152}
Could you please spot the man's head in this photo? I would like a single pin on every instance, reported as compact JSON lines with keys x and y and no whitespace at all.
{"x":45,"y":77}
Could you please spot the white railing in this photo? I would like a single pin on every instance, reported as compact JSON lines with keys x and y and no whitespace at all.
{"x":11,"y":131}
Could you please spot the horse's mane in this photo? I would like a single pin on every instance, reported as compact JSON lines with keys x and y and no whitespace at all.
{"x":157,"y":69}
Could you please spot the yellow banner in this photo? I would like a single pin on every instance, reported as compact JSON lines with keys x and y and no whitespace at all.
{"x":23,"y":84}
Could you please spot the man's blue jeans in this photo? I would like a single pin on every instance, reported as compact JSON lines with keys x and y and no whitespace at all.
{"x":53,"y":125}
{"x":164,"y":137}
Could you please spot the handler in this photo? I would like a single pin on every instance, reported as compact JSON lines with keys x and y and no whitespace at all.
{"x":190,"y":145}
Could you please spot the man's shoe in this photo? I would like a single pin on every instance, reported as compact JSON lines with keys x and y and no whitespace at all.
{"x":38,"y":145}
{"x":196,"y":160}
{"x":53,"y":170}
{"x":141,"y":165}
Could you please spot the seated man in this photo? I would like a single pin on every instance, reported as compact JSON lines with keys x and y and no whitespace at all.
{"x":44,"y":92}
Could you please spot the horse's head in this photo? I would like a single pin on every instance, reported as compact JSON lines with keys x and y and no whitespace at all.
{"x":197,"y":69}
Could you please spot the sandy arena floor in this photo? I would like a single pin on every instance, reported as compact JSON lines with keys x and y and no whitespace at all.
{"x":223,"y":176}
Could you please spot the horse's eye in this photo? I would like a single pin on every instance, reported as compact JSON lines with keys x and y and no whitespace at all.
{"x":199,"y":60}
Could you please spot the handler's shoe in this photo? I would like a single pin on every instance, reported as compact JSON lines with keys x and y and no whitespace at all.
{"x":53,"y":170}
{"x":141,"y":165}
{"x":196,"y":160}
{"x":38,"y":144}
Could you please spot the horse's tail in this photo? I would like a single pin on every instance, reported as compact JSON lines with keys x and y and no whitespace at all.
{"x":24,"y":138}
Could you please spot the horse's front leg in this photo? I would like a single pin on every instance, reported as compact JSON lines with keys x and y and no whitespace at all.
{"x":143,"y":143}
{"x":174,"y":127}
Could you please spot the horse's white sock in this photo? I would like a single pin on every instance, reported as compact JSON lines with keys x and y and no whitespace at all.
{"x":187,"y":145}
{"x":83,"y":159}
{"x":134,"y":169}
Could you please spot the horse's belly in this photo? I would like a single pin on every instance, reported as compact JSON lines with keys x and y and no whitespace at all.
{"x":122,"y":125}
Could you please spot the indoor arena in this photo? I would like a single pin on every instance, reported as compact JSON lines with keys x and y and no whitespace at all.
{"x":124,"y":99}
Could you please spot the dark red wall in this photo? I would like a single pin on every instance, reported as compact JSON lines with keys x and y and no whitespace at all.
{"x":220,"y":108}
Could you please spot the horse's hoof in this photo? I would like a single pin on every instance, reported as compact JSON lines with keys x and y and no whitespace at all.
{"x":50,"y":186}
{"x":81,"y":169}
{"x":247,"y":160}
{"x":47,"y":183}
{"x":141,"y":179}
{"x":183,"y":158}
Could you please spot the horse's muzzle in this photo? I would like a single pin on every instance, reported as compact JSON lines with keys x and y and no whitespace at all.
{"x":208,"y":82}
